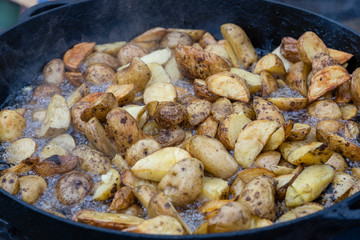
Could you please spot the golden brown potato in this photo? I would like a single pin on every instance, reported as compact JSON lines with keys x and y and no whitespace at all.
{"x":340,"y":56}
{"x":253,"y":80}
{"x":54,"y":72}
{"x":91,"y":97}
{"x":239,"y":44}
{"x":172,"y":39}
{"x":109,"y":184}
{"x":195,"y":63}
{"x":123,"y":199}
{"x":258,"y":196}
{"x":275,"y":140}
{"x":91,"y":160}
{"x":297,"y":77}
{"x":159,"y":225}
{"x":343,"y":93}
{"x":289,"y":103}
{"x":287,"y":148}
{"x":267,"y":110}
{"x":221,"y":108}
{"x":324,"y":109}
{"x":338,"y":162}
{"x":171,"y":136}
{"x":208,"y":127}
{"x":309,"y":184}
{"x":56,"y":165}
{"x":214,"y":189}
{"x":100,"y":107}
{"x":137,"y":112}
{"x":119,"y":163}
{"x":321,"y":61}
{"x":348,"y":111}
{"x":10,"y":183}
{"x":137,"y":73}
{"x":247,"y":109}
{"x":74,"y":57}
{"x":331,"y":126}
{"x":150,"y":39}
{"x":228,"y":85}
{"x":102,"y":57}
{"x":12,"y":125}
{"x":57,"y":118}
{"x":269,"y":83}
{"x":183,"y":182}
{"x":313,"y":153}
{"x":99,"y":73}
{"x":219,"y":50}
{"x":141,"y":149}
{"x":75,"y":78}
{"x":32,"y":187}
{"x":124,"y":93}
{"x":196,"y":34}
{"x":201,"y":90}
{"x":248,"y":174}
{"x":351,"y":130}
{"x":207,"y":39}
{"x":128,"y":52}
{"x":213,"y":154}
{"x":300,"y":211}
{"x":236,"y":187}
{"x":76,"y":111}
{"x":271,"y":63}
{"x":169,"y":114}
{"x":20,"y":150}
{"x":78,"y":94}
{"x":309,"y":44}
{"x":299,"y":132}
{"x":267,"y":159}
{"x":198,"y":110}
{"x":289,"y":49}
{"x":355,"y":87}
{"x":232,"y":216}
{"x":64,"y":140}
{"x":23,"y":167}
{"x":326,"y":80}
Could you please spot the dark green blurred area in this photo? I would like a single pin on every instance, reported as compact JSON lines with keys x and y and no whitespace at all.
{"x":9,"y":13}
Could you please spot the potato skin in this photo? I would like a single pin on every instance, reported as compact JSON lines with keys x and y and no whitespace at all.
{"x":324,"y":109}
{"x":99,"y":73}
{"x":56,"y":164}
{"x":10,"y":183}
{"x":168,"y":114}
{"x":141,"y":149}
{"x":130,"y":51}
{"x":172,"y":39}
{"x":100,"y":107}
{"x":75,"y":56}
{"x":183,"y":182}
{"x":91,"y":160}
{"x":12,"y":125}
{"x":32,"y":187}
{"x":171,"y":136}
{"x":221,"y":108}
{"x":76,"y":111}
{"x":54,"y":71}
{"x":73,"y":187}
{"x":309,"y":44}
{"x":102,"y":57}
{"x":197,"y":110}
{"x":123,"y":199}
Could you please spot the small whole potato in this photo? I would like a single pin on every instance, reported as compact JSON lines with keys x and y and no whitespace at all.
{"x":168,"y":113}
{"x":10,"y":183}
{"x":172,"y":39}
{"x":54,"y":71}
{"x":56,"y":164}
{"x":129,"y":51}
{"x":73,"y":187}
{"x":99,"y":73}
{"x":32,"y":187}
{"x":183,"y":182}
{"x":171,"y":136}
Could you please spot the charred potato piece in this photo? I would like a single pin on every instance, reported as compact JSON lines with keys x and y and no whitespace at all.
{"x":169,"y":114}
{"x":129,"y":52}
{"x":195,"y":63}
{"x":10,"y":183}
{"x":289,"y":103}
{"x":271,"y":63}
{"x":221,"y":108}
{"x":74,"y":57}
{"x":297,"y":77}
{"x":32,"y":187}
{"x":324,"y":109}
{"x":228,"y":85}
{"x":124,"y":198}
{"x":201,"y":90}
{"x":309,"y":44}
{"x":102,"y":57}
{"x":76,"y":111}
{"x":12,"y":125}
{"x":171,"y":136}
{"x":141,"y":149}
{"x":108,"y":186}
{"x":183,"y":182}
{"x":267,"y":110}
{"x":91,"y":160}
{"x":20,"y":150}
{"x":208,"y":127}
{"x":57,"y":118}
{"x":355,"y":87}
{"x":78,"y":94}
{"x":54,"y":72}
{"x":100,"y":107}
{"x":159,"y":225}
{"x":23,"y":167}
{"x":289,"y":49}
{"x":56,"y":165}
{"x":213,"y":154}
{"x":173,"y":39}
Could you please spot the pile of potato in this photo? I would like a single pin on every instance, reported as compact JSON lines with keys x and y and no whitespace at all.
{"x":185,"y":121}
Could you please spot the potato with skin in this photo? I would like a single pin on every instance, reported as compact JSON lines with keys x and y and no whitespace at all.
{"x":138,"y":112}
{"x":247,"y":109}
{"x":289,"y":103}
{"x":100,"y":107}
{"x":183,"y":182}
{"x":351,"y":130}
{"x":141,"y":149}
{"x":196,"y":34}
{"x":110,"y":182}
{"x":324,"y":109}
{"x":228,"y":85}
{"x":213,"y":154}
{"x":341,"y":184}
{"x":299,"y":132}
{"x":289,"y":49}
{"x":54,"y":72}
{"x":236,"y":187}
{"x":338,"y":162}
{"x":20,"y":150}
{"x":150,"y":39}
{"x":269,"y":83}
{"x":102,"y":57}
{"x":12,"y":125}
{"x":124,"y":93}
{"x":76,"y":112}
{"x":75,"y":56}
{"x":348,"y":111}
{"x":355,"y":87}
{"x":128,"y":178}
{"x":206,"y":39}
{"x":309,"y":44}
{"x":78,"y":94}
{"x":297,"y":76}
{"x":313,"y":153}
{"x":271,"y":63}
{"x":232,"y":216}
{"x":10,"y":183}
{"x":321,"y":61}
{"x":169,"y":114}
{"x":137,"y":73}
{"x":64,"y":140}
{"x":172,"y":70}
{"x":57,"y":118}
{"x":46,"y":91}
{"x":195,"y":63}
{"x":158,"y":74}
{"x":300,"y":211}
{"x":99,"y":73}
{"x":197,"y":110}
{"x":267,"y":110}
{"x":219,"y":50}
{"x":201,"y":91}
{"x":340,"y":56}
{"x":267,"y":159}
{"x":91,"y":97}
{"x":23,"y":167}
{"x":309,"y":184}
{"x":253,"y":80}
{"x":275,"y":140}
{"x":172,"y":39}
{"x":248,"y":174}
{"x":221,"y":108}
{"x":171,"y":136}
{"x":331,"y":126}
{"x":32,"y":187}
{"x":129,"y":52}
{"x":52,"y":149}
{"x":123,"y":199}
{"x":91,"y":160}
{"x":56,"y":165}
{"x":160,"y":225}
{"x":208,"y":127}
{"x":75,"y":78}
{"x":159,"y":91}
{"x":239,"y":44}
{"x":288,"y":147}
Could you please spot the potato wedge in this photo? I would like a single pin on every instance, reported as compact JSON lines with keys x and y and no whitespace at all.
{"x":309,"y":44}
{"x":287,"y":148}
{"x":275,"y":140}
{"x":196,"y":34}
{"x":247,"y":109}
{"x":123,"y":199}
{"x":267,"y":159}
{"x":119,"y":163}
{"x":341,"y":184}
{"x":228,"y":85}
{"x":221,"y":108}
{"x":160,"y":91}
{"x":206,"y":40}
{"x":351,"y":130}
{"x":32,"y":187}
{"x":338,"y":162}
{"x":214,"y":189}
{"x":172,"y":136}
{"x":201,"y":90}
{"x":340,"y":56}
{"x":299,"y":132}
{"x":248,"y":174}
{"x":20,"y":150}
{"x":195,"y":63}
{"x":74,"y":57}
{"x":355,"y":87}
{"x":289,"y":103}
{"x":141,"y":149}
{"x":287,"y":64}
{"x":12,"y":125}
{"x":172,"y":70}
{"x":253,"y":80}
{"x":110,"y":182}
{"x":297,"y":77}
{"x":23,"y":167}
{"x":124,"y":93}
{"x":313,"y":153}
{"x":208,"y":127}
{"x":267,"y":110}
{"x":169,"y":114}
{"x":324,"y":109}
{"x":197,"y":110}
{"x":219,"y":50}
{"x":78,"y":94}
{"x":92,"y":160}
{"x":75,"y":78}
{"x":173,"y":39}
{"x":320,"y":61}
{"x":76,"y":112}
{"x":130,"y":51}
{"x":102,"y":57}
{"x":100,"y":107}
{"x":300,"y":211}
{"x":269,"y":83}
{"x":160,"y":225}
{"x":271,"y":63}
{"x":56,"y":165}
{"x":348,"y":111}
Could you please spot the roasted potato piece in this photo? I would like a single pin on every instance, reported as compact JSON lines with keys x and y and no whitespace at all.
{"x":195,"y":63}
{"x":300,"y":211}
{"x":107,"y":220}
{"x":169,"y":114}
{"x":38,"y":115}
{"x":267,"y":159}
{"x":76,"y":112}
{"x":150,"y":39}
{"x":20,"y":150}
{"x":160,"y":225}
{"x":141,"y":149}
{"x":271,"y":63}
{"x":355,"y":188}
{"x":287,"y":148}
{"x":171,"y":136}
{"x":159,"y":91}
{"x":57,"y":118}
{"x":228,"y":85}
{"x":340,"y":56}
{"x":137,"y":73}
{"x":207,"y":39}
{"x":348,"y":111}
{"x":236,"y":187}
{"x":213,"y":154}
{"x":52,"y":149}
{"x":341,"y":184}
{"x":299,"y":132}
{"x":313,"y":153}
{"x":124,"y":198}
{"x":99,"y":73}
{"x":201,"y":90}
{"x":289,"y":103}
{"x":267,"y":110}
{"x":23,"y":167}
{"x":173,"y":39}
{"x":158,"y":74}
{"x":91,"y":160}
{"x":10,"y":183}
{"x":108,"y":186}
{"x":251,"y":140}
{"x":75,"y":78}
{"x":324,"y":109}
{"x":197,"y":110}
{"x":130,"y":51}
{"x":331,"y":126}
{"x":56,"y":164}
{"x":219,"y":50}
{"x":32,"y":187}
{"x":287,"y":64}
{"x":137,"y":112}
{"x":46,"y":91}
{"x":120,"y":164}
{"x":269,"y":83}
{"x":91,"y":97}
{"x":100,"y":107}
{"x":247,"y":109}
{"x":221,"y":108}
{"x":74,"y":57}
{"x":208,"y":127}
{"x":78,"y":94}
{"x":54,"y":72}
{"x":12,"y":125}
{"x":143,"y":194}
{"x":230,"y":127}
{"x":157,"y":164}
{"x":172,"y":70}
{"x":248,"y":174}
{"x":64,"y":140}
{"x":183,"y":182}
{"x":239,"y":44}
{"x":128,"y":178}
{"x":275,"y":140}
{"x":289,"y":49}
{"x":351,"y":130}
{"x":297,"y":77}
{"x":326,"y":80}
{"x":309,"y":184}
{"x":338,"y":162}
{"x":321,"y":61}
{"x":102,"y":57}
{"x":214,"y":189}
{"x":355,"y":87}
{"x":253,"y":80}
{"x":124,"y":93}
{"x":309,"y":44}
{"x":196,"y":34}
{"x":232,"y":216}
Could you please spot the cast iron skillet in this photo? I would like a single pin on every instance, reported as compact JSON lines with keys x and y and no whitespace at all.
{"x":48,"y":30}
